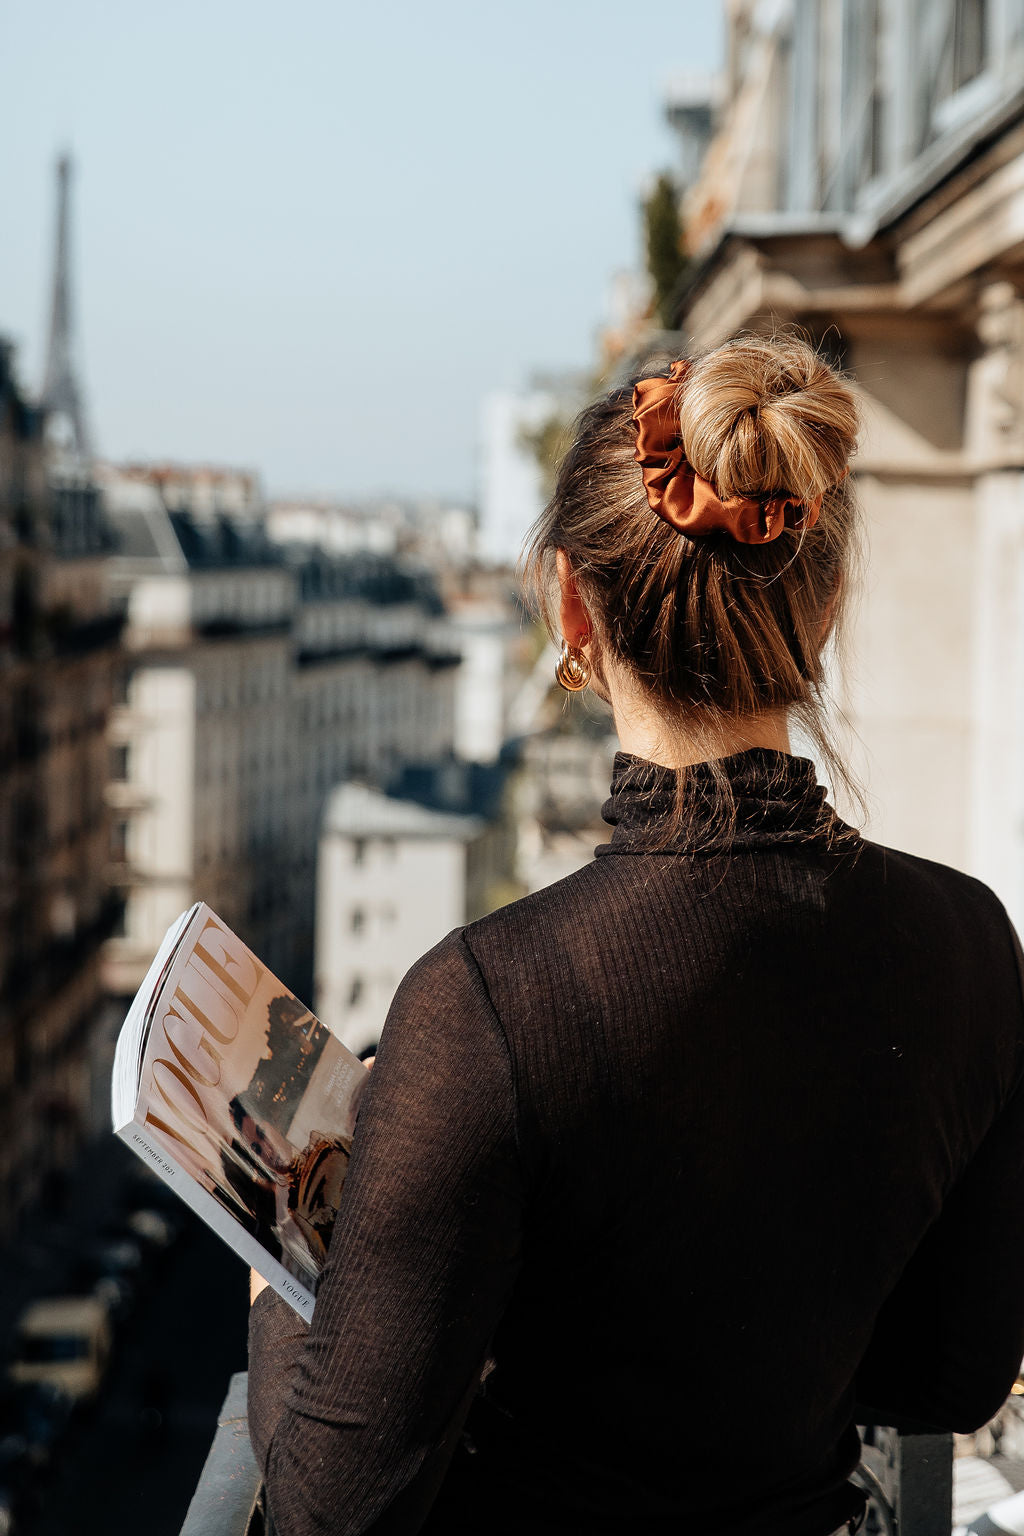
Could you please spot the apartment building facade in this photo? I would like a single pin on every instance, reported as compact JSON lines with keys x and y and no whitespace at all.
{"x":865,"y":182}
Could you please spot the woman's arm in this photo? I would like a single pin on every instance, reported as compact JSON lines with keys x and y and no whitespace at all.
{"x":354,"y":1421}
{"x":949,"y":1341}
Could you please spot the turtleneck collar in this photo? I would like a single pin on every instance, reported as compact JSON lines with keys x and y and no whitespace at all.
{"x":777,"y":797}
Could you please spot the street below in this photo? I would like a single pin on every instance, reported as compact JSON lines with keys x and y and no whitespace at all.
{"x":131,"y":1460}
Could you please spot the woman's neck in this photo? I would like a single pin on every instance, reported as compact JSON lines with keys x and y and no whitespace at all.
{"x":646,"y":732}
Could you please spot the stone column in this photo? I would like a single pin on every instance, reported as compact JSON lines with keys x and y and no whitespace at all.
{"x":996,"y":440}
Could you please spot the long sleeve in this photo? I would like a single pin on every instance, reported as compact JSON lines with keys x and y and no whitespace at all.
{"x":354,"y":1420}
{"x":950,"y":1338}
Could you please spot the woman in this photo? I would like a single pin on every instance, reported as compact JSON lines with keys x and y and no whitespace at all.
{"x":715,"y":1148}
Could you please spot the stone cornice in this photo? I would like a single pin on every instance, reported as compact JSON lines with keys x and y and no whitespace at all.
{"x":978,"y":232}
{"x":757,"y":274}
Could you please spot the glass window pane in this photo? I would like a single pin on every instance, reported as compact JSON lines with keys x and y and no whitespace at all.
{"x":970,"y":41}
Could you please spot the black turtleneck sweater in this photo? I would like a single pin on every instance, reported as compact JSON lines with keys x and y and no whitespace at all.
{"x":707,"y":1157}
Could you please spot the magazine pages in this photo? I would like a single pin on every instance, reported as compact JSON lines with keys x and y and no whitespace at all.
{"x":230,"y":1089}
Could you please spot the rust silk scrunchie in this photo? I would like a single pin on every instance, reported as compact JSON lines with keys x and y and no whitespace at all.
{"x":678,"y":494}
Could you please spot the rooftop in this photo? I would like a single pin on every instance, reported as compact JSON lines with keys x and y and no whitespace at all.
{"x":376,"y":578}
{"x":355,"y":810}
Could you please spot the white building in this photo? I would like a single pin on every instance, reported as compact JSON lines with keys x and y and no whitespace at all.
{"x":393,"y":878}
{"x":201,"y":738}
{"x":439,"y":533}
{"x":373,"y":687}
{"x":866,"y":182}
{"x":332,"y":527}
{"x":485,"y":631}
{"x":511,"y":484}
{"x":255,"y":683}
{"x":558,"y":799}
{"x":203,"y":490}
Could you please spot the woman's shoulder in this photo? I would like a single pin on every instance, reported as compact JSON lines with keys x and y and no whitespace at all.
{"x":514,"y":926}
{"x":957,"y":909}
{"x":471,"y":1004}
{"x":509,"y":947}
{"x":538,"y":920}
{"x":895,"y":868}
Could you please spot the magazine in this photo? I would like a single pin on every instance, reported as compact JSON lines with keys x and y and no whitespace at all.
{"x":240,"y":1099}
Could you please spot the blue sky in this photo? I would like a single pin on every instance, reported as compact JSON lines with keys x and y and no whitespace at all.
{"x":309,"y":238}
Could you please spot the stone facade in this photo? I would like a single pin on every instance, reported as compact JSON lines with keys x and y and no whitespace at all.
{"x":866,"y":183}
{"x":256,"y":681}
{"x":373,"y":689}
{"x":59,"y":651}
{"x":393,"y":878}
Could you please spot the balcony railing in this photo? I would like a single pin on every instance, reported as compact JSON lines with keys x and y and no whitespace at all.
{"x":909,"y":1479}
{"x":228,"y":1500}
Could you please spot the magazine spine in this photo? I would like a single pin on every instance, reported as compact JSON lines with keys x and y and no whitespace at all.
{"x":213,"y":1214}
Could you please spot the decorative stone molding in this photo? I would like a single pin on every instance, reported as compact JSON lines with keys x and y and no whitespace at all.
{"x":1001,"y":330}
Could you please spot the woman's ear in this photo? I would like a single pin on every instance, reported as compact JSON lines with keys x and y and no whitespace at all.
{"x":572,"y":614}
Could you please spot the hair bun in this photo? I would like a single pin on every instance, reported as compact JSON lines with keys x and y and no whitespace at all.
{"x":759,"y":416}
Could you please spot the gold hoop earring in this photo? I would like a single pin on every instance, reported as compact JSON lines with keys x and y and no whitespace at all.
{"x":573,"y":669}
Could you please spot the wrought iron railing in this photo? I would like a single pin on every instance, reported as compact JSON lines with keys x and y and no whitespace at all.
{"x":909,"y":1480}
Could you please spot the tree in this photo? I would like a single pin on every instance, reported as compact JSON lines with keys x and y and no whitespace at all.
{"x":666,"y":261}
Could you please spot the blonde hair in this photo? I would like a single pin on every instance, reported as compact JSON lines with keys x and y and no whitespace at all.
{"x":711,"y":630}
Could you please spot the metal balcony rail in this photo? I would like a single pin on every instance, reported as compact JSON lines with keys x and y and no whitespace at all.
{"x":228,"y":1500}
{"x":909,"y":1480}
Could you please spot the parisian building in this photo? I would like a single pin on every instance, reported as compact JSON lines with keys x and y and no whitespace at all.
{"x":256,"y":679}
{"x":442,"y":534}
{"x":511,"y":483}
{"x":861,"y":177}
{"x":59,"y":655}
{"x":373,"y":690}
{"x":401,"y":865}
{"x":200,"y":737}
{"x":394,"y":876}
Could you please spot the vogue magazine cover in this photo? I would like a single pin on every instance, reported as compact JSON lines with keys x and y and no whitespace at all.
{"x":240,"y":1099}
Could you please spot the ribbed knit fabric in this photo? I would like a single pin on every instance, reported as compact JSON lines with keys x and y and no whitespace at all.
{"x":711,"y":1157}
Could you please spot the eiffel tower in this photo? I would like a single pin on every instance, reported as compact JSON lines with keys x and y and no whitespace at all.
{"x":61,"y":399}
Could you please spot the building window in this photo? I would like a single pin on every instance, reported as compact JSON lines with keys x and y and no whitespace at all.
{"x":120,"y":685}
{"x":355,"y":992}
{"x":799,"y":165}
{"x":119,"y":762}
{"x":119,"y":840}
{"x":358,"y":919}
{"x":863,"y":107}
{"x":358,"y":850}
{"x":951,"y":51}
{"x":969,"y":44}
{"x":1014,"y":24}
{"x":63,"y":916}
